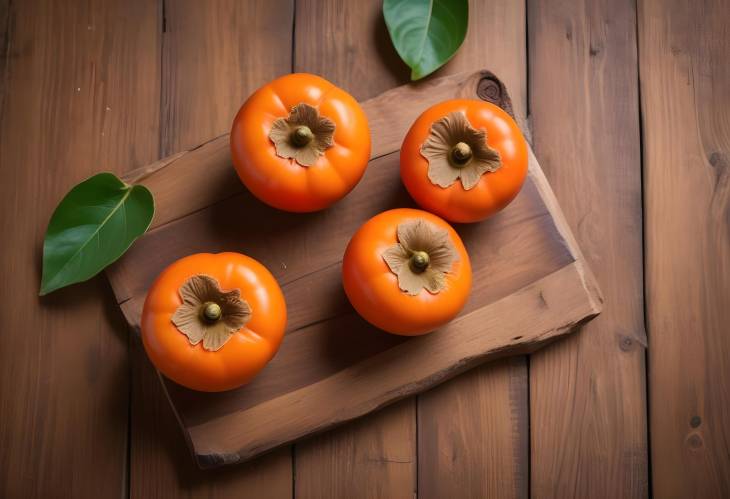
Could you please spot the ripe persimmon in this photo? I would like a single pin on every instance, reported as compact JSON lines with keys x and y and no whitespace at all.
{"x":406,"y":271}
{"x":463,"y":160}
{"x":211,"y":322}
{"x":300,"y":143}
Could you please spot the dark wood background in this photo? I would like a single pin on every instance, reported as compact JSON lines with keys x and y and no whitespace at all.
{"x":629,"y":105}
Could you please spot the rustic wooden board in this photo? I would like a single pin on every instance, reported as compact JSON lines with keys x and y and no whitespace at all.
{"x":531,"y":285}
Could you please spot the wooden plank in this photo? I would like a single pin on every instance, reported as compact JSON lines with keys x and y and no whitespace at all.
{"x":473,"y":432}
{"x":530,"y":233}
{"x":214,"y":55}
{"x":79,"y":93}
{"x":587,"y":393}
{"x":685,"y":90}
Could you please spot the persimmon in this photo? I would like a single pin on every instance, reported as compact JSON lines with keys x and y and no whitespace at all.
{"x":211,"y":322}
{"x":300,"y":143}
{"x":463,"y":160}
{"x":406,"y":271}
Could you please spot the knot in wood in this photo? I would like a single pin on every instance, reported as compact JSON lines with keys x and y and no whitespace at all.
{"x":490,"y":90}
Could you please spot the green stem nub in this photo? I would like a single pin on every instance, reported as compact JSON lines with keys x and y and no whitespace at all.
{"x":419,"y":261}
{"x":212,"y":311}
{"x":461,"y":154}
{"x":301,"y":136}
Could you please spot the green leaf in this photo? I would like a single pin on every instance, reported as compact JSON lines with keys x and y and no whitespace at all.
{"x":94,"y":225}
{"x":426,"y":33}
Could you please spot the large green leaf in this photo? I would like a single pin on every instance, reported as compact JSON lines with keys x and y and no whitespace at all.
{"x":426,"y":33}
{"x":93,"y":226}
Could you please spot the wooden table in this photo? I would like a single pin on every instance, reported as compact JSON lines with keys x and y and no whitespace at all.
{"x":629,"y":109}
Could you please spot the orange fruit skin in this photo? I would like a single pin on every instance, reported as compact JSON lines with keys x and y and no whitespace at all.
{"x":373,"y":289}
{"x":494,"y":191}
{"x":284,"y":183}
{"x":246,"y":352}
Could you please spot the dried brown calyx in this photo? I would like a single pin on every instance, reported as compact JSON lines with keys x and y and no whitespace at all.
{"x":456,"y":150}
{"x":209,"y":314}
{"x":422,"y":257}
{"x":303,"y":136}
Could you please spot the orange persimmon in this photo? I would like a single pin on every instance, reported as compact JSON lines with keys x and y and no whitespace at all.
{"x":300,"y":143}
{"x":406,"y":271}
{"x":211,"y":322}
{"x":463,"y":160}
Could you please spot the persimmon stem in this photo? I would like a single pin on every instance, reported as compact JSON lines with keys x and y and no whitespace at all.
{"x":419,"y":261}
{"x":301,"y":136}
{"x":211,"y":311}
{"x":461,"y":154}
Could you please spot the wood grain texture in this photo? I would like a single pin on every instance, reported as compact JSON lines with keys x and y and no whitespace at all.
{"x":214,"y":54}
{"x":496,"y":40}
{"x":369,"y":458}
{"x":348,"y":44}
{"x":76,"y":97}
{"x":685,"y":88}
{"x":464,"y":449}
{"x":587,"y":393}
{"x":461,"y":417}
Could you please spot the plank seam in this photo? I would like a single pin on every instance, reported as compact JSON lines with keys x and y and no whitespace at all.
{"x":528,"y":359}
{"x":5,"y":69}
{"x":647,"y":427}
{"x":163,"y":29}
{"x":293,"y":36}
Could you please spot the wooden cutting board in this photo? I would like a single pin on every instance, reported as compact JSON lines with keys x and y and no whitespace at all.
{"x":531,"y":284}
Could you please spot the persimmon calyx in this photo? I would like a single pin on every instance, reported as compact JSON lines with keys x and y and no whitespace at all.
{"x":456,"y":150}
{"x":303,"y":136}
{"x":209,"y":314}
{"x":421,"y":258}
